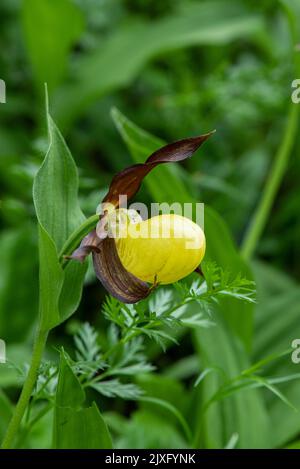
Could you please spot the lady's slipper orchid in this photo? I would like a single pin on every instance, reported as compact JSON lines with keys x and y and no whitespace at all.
{"x":130,"y":253}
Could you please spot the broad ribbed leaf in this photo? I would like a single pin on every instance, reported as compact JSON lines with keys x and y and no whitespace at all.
{"x":51,"y":278}
{"x":55,"y":194}
{"x":55,"y":190}
{"x":6,"y":410}
{"x":276,"y":326}
{"x":293,"y":12}
{"x":21,"y":302}
{"x":76,"y":425}
{"x":278,"y":311}
{"x":243,"y":412}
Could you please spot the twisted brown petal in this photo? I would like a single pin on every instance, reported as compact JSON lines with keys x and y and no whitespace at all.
{"x":128,"y":181}
{"x":89,"y":243}
{"x":114,"y":277}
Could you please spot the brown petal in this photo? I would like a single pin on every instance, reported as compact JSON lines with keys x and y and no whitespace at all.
{"x":128,"y":181}
{"x":115,"y":278}
{"x":89,"y":243}
{"x":178,"y":151}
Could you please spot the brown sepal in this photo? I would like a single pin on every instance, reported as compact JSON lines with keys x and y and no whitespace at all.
{"x":89,"y":243}
{"x":128,"y":181}
{"x":114,"y":277}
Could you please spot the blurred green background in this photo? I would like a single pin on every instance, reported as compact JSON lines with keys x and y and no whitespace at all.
{"x":176,"y":68}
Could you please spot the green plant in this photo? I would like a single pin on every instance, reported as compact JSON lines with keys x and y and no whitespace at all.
{"x":61,"y":227}
{"x":203,"y":363}
{"x":58,"y":213}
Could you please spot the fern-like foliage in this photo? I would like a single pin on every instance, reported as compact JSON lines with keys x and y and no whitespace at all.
{"x":102,"y":371}
{"x":159,"y":318}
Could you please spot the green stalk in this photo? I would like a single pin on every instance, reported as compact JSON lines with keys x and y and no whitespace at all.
{"x":77,"y":235}
{"x":40,"y":341}
{"x":20,"y":408}
{"x":264,"y":207}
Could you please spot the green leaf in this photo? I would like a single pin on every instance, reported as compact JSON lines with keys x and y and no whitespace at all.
{"x":278,"y":307}
{"x":295,"y":445}
{"x":55,"y":190}
{"x":184,"y":368}
{"x":293,"y":11}
{"x":15,"y":261}
{"x":55,"y":194}
{"x":120,"y":58}
{"x":241,"y":412}
{"x":6,"y":410}
{"x":166,"y":397}
{"x":49,"y":21}
{"x":172,"y":410}
{"x":148,"y":430}
{"x":51,"y":281}
{"x":166,"y":389}
{"x":247,"y":380}
{"x":232,"y":442}
{"x":114,"y":388}
{"x":221,"y":249}
{"x":76,"y":426}
{"x":40,"y":435}
{"x":86,"y":342}
{"x":13,"y":372}
{"x":268,"y":384}
{"x":276,"y":326}
{"x":165,"y":185}
{"x":71,"y":291}
{"x":206,"y":372}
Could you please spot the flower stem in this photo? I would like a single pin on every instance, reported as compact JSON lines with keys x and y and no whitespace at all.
{"x":40,"y":342}
{"x":261,"y":214}
{"x":30,"y":380}
{"x":77,"y":235}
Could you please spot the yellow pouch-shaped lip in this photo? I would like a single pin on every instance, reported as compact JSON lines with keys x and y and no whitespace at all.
{"x":162,"y":249}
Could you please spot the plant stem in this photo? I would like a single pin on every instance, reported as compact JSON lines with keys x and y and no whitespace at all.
{"x":77,"y":235}
{"x":15,"y":422}
{"x":40,"y":342}
{"x":263,"y":209}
